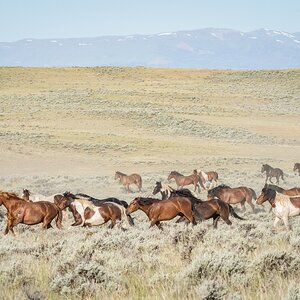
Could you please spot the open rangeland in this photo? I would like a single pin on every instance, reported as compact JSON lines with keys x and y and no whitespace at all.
{"x":71,"y":129}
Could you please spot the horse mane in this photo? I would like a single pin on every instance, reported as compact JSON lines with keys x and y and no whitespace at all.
{"x":120,"y":173}
{"x":166,"y":187}
{"x":186,"y":193}
{"x":176,"y":173}
{"x":274,"y":187}
{"x":70,"y":195}
{"x":147,"y":201}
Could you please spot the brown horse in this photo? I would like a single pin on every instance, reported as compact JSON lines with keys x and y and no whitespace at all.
{"x":208,"y":176}
{"x":203,"y":210}
{"x":182,"y":180}
{"x":29,"y":213}
{"x":126,"y":180}
{"x":162,"y":210}
{"x":297,"y":168}
{"x":290,"y":192}
{"x":229,"y":195}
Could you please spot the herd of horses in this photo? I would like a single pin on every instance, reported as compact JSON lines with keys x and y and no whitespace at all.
{"x":89,"y":211}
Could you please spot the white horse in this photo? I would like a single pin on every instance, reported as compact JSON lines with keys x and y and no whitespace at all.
{"x":92,"y":215}
{"x":283,"y":206}
{"x":211,"y":177}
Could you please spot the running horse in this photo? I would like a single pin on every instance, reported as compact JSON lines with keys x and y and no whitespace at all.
{"x":211,"y":177}
{"x":230,"y":195}
{"x":126,"y":180}
{"x":297,"y":168}
{"x":85,"y":213}
{"x":283,"y":206}
{"x":272,"y":172}
{"x":182,"y":180}
{"x":29,"y":213}
{"x":162,"y":210}
{"x":203,"y":210}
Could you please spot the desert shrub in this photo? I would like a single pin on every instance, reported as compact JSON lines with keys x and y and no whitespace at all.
{"x":211,"y":290}
{"x":280,"y":262}
{"x":211,"y":265}
{"x":84,"y":279}
{"x":293,"y":291}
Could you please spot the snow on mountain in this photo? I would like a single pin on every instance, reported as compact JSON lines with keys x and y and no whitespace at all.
{"x":202,"y":48}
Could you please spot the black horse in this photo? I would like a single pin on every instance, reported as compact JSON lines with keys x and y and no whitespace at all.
{"x":272,"y":172}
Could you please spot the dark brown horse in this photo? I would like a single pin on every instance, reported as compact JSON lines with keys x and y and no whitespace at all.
{"x":29,"y":213}
{"x":297,"y":168}
{"x":126,"y":180}
{"x":230,"y":195}
{"x":290,"y":192}
{"x":162,"y":210}
{"x":182,"y":180}
{"x":272,"y":172}
{"x":203,"y":210}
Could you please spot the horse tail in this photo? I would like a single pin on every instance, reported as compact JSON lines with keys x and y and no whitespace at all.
{"x":58,"y":219}
{"x":253,"y":194}
{"x":233,"y":213}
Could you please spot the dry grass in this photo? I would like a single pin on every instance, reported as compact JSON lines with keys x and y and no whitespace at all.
{"x":72,"y":128}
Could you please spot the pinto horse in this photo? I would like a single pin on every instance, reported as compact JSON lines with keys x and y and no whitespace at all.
{"x":272,"y":172}
{"x":230,"y":195}
{"x":85,"y":213}
{"x":297,"y":168}
{"x":283,"y":206}
{"x":126,"y":180}
{"x":203,"y":210}
{"x":98,"y":202}
{"x":182,"y":180}
{"x":208,"y":177}
{"x":290,"y":192}
{"x":162,"y":210}
{"x":29,"y":213}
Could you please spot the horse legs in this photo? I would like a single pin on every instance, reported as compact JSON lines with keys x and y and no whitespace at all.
{"x":285,"y":220}
{"x":158,"y":225}
{"x":216,"y":219}
{"x":276,"y":221}
{"x":249,"y":201}
{"x":243,"y":205}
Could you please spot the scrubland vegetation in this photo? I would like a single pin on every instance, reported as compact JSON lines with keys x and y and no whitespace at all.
{"x":71,"y":129}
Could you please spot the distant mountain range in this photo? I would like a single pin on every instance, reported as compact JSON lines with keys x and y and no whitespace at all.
{"x":203,"y":48}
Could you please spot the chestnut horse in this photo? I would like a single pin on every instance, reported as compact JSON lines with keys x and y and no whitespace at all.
{"x":284,"y":206}
{"x":182,"y":180}
{"x":203,"y":210}
{"x":85,"y":213}
{"x":272,"y":172}
{"x":162,"y":210}
{"x":29,"y":213}
{"x":297,"y":168}
{"x":230,"y":195}
{"x":126,"y":180}
{"x":290,"y":192}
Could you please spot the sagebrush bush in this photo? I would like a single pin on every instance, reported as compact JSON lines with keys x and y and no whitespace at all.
{"x":211,"y":290}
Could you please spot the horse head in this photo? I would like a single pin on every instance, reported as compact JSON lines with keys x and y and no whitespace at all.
{"x":266,"y":194}
{"x":133,"y":205}
{"x":157,"y":188}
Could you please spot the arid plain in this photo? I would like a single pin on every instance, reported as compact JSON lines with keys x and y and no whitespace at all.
{"x":72,"y":128}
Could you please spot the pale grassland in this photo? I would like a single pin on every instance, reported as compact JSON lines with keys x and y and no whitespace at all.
{"x":71,"y":129}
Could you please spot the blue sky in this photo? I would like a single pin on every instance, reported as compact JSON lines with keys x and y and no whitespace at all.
{"x":87,"y":18}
